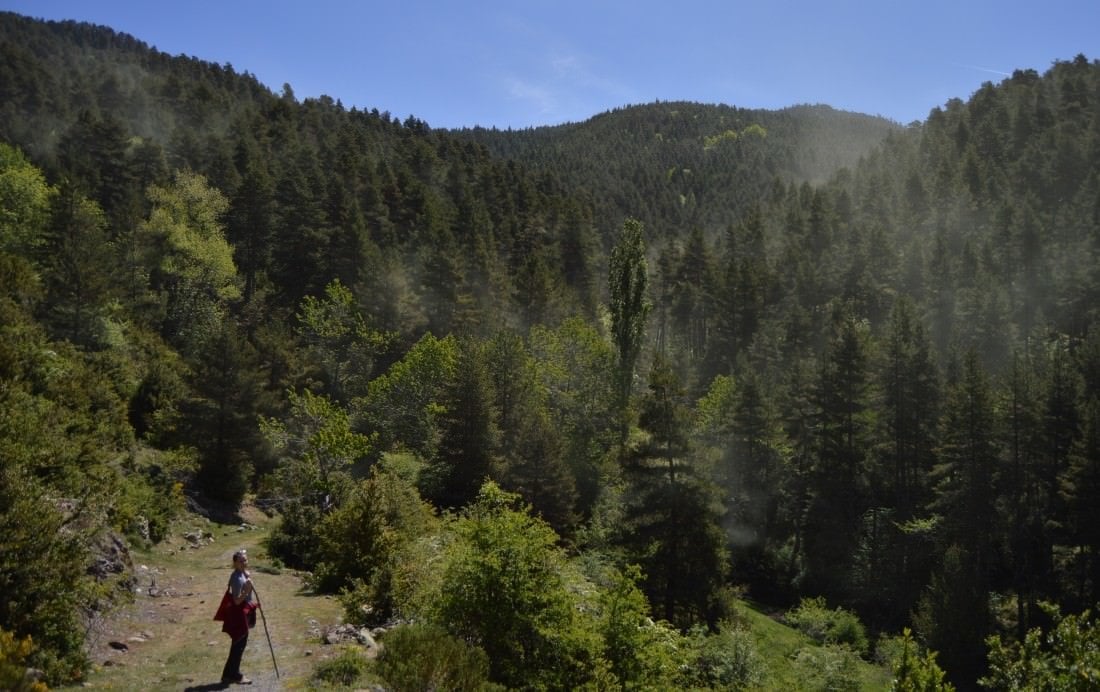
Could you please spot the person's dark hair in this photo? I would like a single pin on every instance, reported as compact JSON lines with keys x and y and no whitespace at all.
{"x":242,"y":553}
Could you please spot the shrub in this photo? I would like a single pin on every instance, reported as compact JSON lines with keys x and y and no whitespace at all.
{"x":726,"y":660}
{"x":639,"y":653}
{"x":1064,"y":657}
{"x":345,"y":669}
{"x":829,"y":668}
{"x":362,"y":539}
{"x":422,"y":657}
{"x":294,"y":540}
{"x":825,"y":626}
{"x":13,"y":669}
{"x":914,"y":673}
{"x":503,"y":583}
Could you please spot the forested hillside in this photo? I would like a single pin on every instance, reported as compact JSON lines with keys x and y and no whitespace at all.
{"x":680,"y":166}
{"x":619,"y":373}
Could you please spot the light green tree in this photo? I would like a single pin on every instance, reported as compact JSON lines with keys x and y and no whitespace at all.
{"x":24,"y":201}
{"x":192,"y":263}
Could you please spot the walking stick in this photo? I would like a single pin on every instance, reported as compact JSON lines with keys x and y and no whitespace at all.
{"x":264,"y":619}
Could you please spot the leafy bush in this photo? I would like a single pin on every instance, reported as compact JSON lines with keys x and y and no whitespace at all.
{"x":1066,"y":657}
{"x":913,"y":673}
{"x":13,"y":669}
{"x":294,"y":540}
{"x":361,"y":540}
{"x":825,"y":626}
{"x":503,"y":584}
{"x":345,"y":669}
{"x":727,"y":660}
{"x":640,"y":654}
{"x":422,"y":657}
{"x":828,"y":668}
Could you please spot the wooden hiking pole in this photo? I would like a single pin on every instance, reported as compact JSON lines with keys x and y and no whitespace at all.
{"x":263,"y":618}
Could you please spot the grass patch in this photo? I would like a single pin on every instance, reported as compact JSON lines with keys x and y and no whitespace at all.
{"x":779,"y":646}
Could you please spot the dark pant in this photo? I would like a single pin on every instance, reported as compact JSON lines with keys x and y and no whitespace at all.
{"x":232,"y":670}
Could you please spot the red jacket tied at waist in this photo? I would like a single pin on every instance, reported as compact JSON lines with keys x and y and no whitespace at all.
{"x":235,"y":618}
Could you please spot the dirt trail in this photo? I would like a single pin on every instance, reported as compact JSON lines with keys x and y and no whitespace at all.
{"x":171,"y":641}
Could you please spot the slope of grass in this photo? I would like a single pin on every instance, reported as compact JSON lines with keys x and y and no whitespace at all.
{"x":779,"y":644}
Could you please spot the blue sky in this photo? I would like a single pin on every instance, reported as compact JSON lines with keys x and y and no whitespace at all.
{"x":534,"y":62}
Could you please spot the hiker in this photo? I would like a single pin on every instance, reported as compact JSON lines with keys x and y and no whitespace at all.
{"x":238,"y":615}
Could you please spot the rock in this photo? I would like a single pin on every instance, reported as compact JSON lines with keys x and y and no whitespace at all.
{"x":111,"y":556}
{"x":308,"y":652}
{"x":136,"y":639}
{"x":364,"y":637}
{"x":119,"y":646}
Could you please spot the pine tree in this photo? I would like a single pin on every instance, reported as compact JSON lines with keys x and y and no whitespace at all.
{"x":839,"y":483}
{"x":468,"y":433}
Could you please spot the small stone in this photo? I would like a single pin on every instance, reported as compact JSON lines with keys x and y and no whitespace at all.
{"x":309,"y":652}
{"x":118,"y":646}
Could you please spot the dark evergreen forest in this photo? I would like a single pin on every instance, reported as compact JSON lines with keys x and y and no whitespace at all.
{"x":680,"y":354}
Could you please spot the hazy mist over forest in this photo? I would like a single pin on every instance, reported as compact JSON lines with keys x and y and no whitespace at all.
{"x":639,"y":376}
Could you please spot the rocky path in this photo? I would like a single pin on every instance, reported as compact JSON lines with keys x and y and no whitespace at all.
{"x":167,"y":639}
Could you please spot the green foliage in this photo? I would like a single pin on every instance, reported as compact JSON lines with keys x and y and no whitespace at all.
{"x":1064,"y":657}
{"x":24,"y":201}
{"x":503,"y":588}
{"x":405,"y":402}
{"x":13,"y":670}
{"x":829,"y":668}
{"x":317,"y":447}
{"x":723,"y":660}
{"x":914,"y":673}
{"x":43,"y":577}
{"x":345,"y":669}
{"x":423,"y":657}
{"x":362,"y":538}
{"x":628,"y":285}
{"x":837,"y":626}
{"x":338,"y":339}
{"x":194,"y":262}
{"x":641,"y":654}
{"x":294,"y":539}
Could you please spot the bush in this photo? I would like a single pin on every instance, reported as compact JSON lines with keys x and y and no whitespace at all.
{"x":829,"y":668}
{"x":294,"y":540}
{"x":345,"y":669}
{"x":824,"y":626}
{"x":360,"y":541}
{"x":727,"y":660}
{"x":422,"y":657}
{"x":916,"y":673}
{"x":503,"y":583}
{"x":639,"y":653}
{"x":13,"y":669}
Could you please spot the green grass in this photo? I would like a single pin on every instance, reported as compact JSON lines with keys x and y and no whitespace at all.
{"x":777,"y":644}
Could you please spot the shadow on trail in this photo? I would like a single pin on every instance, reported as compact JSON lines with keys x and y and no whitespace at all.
{"x":208,"y":687}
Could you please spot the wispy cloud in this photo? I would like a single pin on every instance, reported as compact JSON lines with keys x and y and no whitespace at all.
{"x":561,"y":86}
{"x":539,"y":96}
{"x":985,"y":69}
